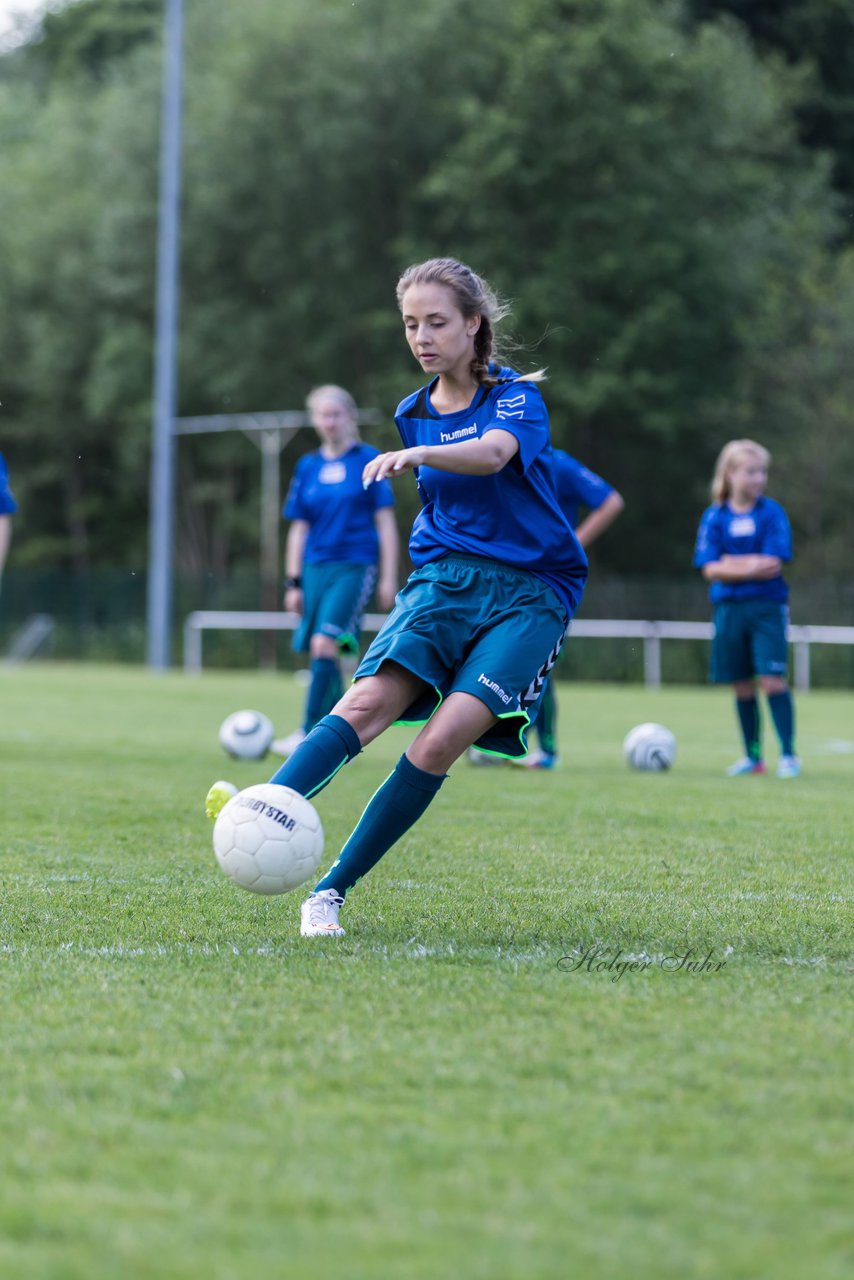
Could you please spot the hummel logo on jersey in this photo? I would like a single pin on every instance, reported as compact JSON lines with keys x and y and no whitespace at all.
{"x":508,"y":408}
{"x":490,"y":684}
{"x":445,"y":437}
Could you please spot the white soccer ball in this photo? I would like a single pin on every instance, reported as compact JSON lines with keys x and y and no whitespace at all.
{"x":246,"y":735}
{"x":268,"y":839}
{"x":650,"y":746}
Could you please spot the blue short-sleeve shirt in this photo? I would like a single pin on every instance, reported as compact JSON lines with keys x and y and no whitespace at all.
{"x":8,"y":505}
{"x":514,"y":516}
{"x":576,"y":485}
{"x":327,"y":493}
{"x":764,"y":530}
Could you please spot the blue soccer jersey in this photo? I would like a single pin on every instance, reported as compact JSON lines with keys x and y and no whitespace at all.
{"x":514,"y":516}
{"x":328,"y":494}
{"x":764,"y":530}
{"x":8,"y":505}
{"x":576,"y":485}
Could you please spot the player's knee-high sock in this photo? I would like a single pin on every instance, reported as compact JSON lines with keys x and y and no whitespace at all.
{"x":331,"y":744}
{"x":546,"y":722}
{"x":751,"y":727}
{"x":782,"y":708}
{"x":335,"y":691}
{"x":325,"y":680}
{"x":391,"y":811}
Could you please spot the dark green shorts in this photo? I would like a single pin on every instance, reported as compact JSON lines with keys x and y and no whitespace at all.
{"x":470,"y":625}
{"x":334,"y":598}
{"x":750,"y":640}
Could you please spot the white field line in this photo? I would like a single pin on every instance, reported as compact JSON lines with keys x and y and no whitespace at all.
{"x":414,"y":886}
{"x":411,"y":950}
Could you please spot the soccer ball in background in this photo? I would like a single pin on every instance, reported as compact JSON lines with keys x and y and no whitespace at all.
{"x":246,"y":735}
{"x":650,"y":746}
{"x":268,"y":839}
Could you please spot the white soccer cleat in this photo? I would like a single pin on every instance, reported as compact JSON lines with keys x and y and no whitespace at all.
{"x":538,"y":760}
{"x":318,"y":915}
{"x":788,"y":767}
{"x":476,"y":757}
{"x":218,"y":797}
{"x":287,"y":746}
{"x":745,"y":766}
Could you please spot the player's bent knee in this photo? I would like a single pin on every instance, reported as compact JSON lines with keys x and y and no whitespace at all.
{"x":370,"y":706}
{"x":365,"y":697}
{"x":443,"y":740}
{"x":432,"y":757}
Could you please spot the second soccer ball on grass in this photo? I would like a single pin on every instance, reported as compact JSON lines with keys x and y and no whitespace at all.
{"x":650,"y":747}
{"x":246,"y":735}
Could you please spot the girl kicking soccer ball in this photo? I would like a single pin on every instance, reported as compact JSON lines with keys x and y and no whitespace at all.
{"x":498,"y":575}
{"x":743,"y":542}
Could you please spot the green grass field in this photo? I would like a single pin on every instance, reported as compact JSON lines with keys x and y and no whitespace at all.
{"x":191,"y":1090}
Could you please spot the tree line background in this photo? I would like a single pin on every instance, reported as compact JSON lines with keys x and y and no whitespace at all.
{"x":665,"y":191}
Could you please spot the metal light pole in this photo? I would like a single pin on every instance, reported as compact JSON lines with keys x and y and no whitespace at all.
{"x":162,"y":482}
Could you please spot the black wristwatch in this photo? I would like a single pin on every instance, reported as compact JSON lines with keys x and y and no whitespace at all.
{"x":292,"y":582}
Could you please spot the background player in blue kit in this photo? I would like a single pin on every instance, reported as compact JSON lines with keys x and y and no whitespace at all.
{"x":577,"y":487}
{"x":338,"y":533}
{"x":8,"y":507}
{"x":743,"y":542}
{"x":498,"y":575}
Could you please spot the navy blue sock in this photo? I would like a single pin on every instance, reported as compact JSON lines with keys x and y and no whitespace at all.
{"x":391,"y":811}
{"x":322,"y":691}
{"x":782,"y":708}
{"x":751,"y":728}
{"x":332,"y":743}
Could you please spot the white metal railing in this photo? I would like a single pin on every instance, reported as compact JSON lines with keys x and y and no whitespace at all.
{"x":36,"y":632}
{"x":651,"y":633}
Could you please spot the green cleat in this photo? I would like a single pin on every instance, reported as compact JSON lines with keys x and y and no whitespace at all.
{"x":218,"y":797}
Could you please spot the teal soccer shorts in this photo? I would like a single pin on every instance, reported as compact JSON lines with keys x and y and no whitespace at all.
{"x":334,"y":598}
{"x":470,"y":625}
{"x":750,"y":640}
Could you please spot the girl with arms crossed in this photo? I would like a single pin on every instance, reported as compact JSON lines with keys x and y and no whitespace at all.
{"x":498,"y":575}
{"x":743,"y":541}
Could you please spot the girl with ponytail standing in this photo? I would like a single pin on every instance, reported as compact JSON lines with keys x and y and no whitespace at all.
{"x":743,"y":542}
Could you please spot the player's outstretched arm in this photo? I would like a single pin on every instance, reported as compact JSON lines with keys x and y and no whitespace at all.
{"x":484,"y":457}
